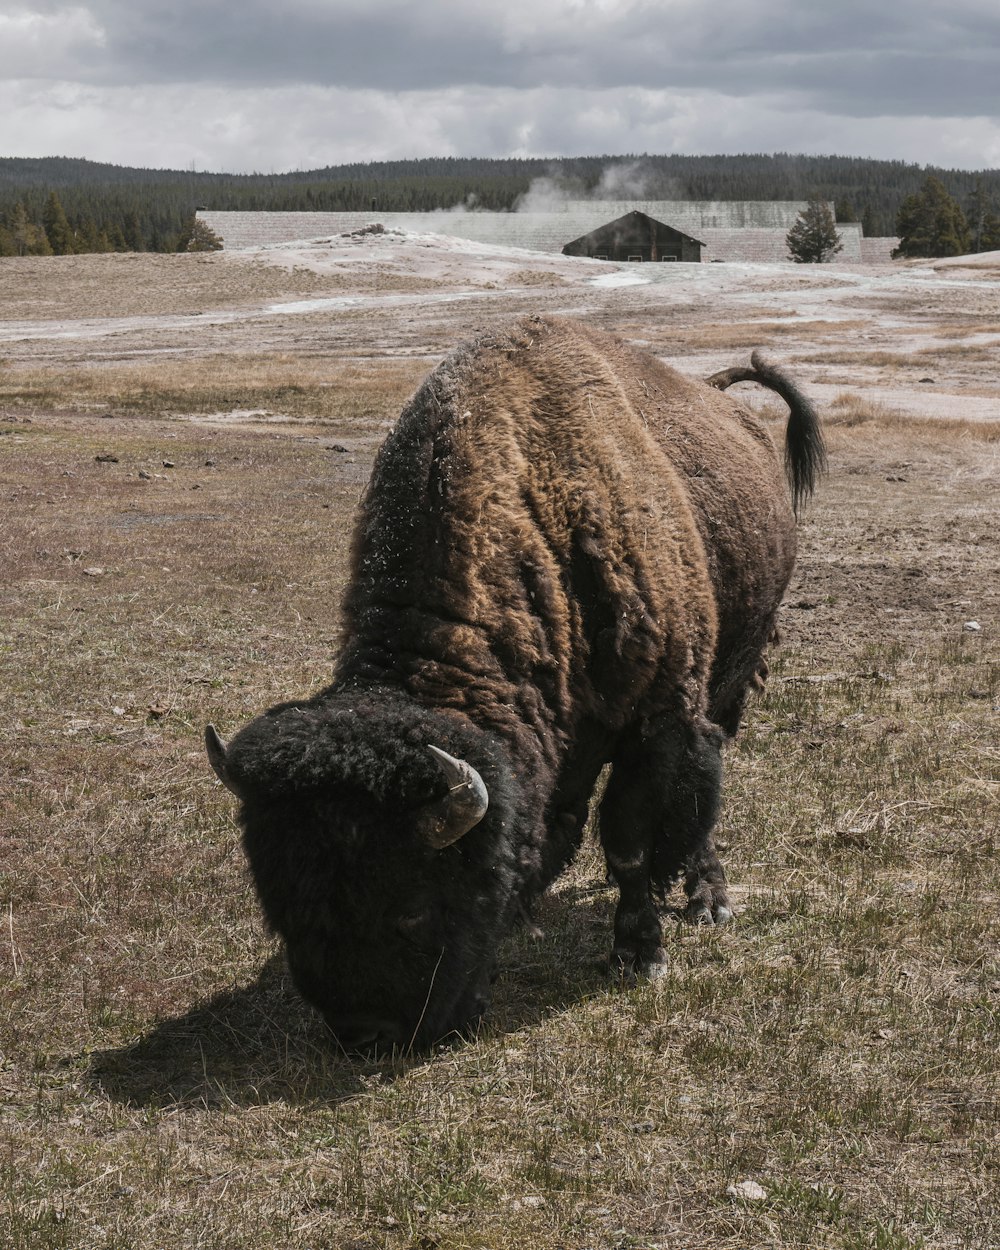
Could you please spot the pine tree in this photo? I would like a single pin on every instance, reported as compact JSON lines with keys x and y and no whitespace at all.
{"x":813,"y":239}
{"x":27,"y":238}
{"x":132,"y":232}
{"x":990,"y":238}
{"x":931,"y":223}
{"x":844,"y":211}
{"x":983,"y":219}
{"x":57,"y":229}
{"x":198,"y":236}
{"x":87,"y":236}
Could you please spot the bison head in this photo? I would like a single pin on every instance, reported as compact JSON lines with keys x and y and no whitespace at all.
{"x":381,"y":857}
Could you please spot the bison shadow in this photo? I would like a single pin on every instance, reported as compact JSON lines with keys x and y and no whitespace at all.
{"x":260,"y":1043}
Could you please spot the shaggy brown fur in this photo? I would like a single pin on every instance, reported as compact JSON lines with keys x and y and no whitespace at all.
{"x":568,"y":555}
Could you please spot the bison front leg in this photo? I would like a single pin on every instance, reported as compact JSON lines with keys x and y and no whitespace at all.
{"x":705,"y":886}
{"x":656,"y":823}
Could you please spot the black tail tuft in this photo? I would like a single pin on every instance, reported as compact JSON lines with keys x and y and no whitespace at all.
{"x":805,"y":451}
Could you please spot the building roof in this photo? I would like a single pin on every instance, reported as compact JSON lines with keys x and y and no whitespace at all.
{"x":623,"y":222}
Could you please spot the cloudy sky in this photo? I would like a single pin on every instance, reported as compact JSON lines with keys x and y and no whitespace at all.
{"x":269,"y":86}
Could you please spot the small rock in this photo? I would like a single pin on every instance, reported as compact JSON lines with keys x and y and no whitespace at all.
{"x":972,"y":627}
{"x":930,"y":380}
{"x":337,"y":447}
{"x":209,"y":464}
{"x":94,"y":572}
{"x":146,"y":477}
{"x":750,"y":1191}
{"x":168,"y":464}
{"x":106,"y":459}
{"x":158,"y":710}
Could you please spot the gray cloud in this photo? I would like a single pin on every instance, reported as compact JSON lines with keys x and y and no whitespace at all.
{"x":848,"y":58}
{"x":323,"y":81}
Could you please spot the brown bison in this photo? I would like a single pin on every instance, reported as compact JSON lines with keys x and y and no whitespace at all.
{"x":569,"y":555}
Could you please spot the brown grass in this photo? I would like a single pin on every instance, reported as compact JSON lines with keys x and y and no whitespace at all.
{"x":535,"y":277}
{"x":258,"y":387}
{"x":960,"y":331}
{"x":143,"y":284}
{"x":922,"y":358}
{"x":850,"y":410}
{"x":765,"y":332}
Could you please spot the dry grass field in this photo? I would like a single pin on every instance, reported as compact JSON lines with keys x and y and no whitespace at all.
{"x":182,"y":444}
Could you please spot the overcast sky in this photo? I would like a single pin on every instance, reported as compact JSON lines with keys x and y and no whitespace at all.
{"x":261,"y":85}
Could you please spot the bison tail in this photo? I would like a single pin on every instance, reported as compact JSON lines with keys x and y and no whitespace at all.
{"x":805,"y":451}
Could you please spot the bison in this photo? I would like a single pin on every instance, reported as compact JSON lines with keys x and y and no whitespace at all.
{"x":569,"y":555}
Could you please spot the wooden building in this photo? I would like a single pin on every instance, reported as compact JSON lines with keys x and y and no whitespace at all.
{"x":636,"y":237}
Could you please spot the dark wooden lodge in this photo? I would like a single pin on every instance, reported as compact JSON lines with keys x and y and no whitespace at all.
{"x":636,"y":237}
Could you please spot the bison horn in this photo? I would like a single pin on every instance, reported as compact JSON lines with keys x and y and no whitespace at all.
{"x":462,"y":807}
{"x":216,"y":749}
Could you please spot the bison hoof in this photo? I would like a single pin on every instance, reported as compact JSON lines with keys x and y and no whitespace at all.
{"x":628,"y":968}
{"x":700,"y":913}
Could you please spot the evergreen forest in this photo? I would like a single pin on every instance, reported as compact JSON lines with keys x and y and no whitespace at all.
{"x":61,"y":205}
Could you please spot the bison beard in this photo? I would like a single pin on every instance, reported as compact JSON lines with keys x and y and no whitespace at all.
{"x":569,"y":555}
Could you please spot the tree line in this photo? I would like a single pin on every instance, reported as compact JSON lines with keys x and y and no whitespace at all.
{"x":62,"y":205}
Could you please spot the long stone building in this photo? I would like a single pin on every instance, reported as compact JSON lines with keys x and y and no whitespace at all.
{"x":726,"y":230}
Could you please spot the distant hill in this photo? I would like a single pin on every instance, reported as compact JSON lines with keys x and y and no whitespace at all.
{"x":119,"y":208}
